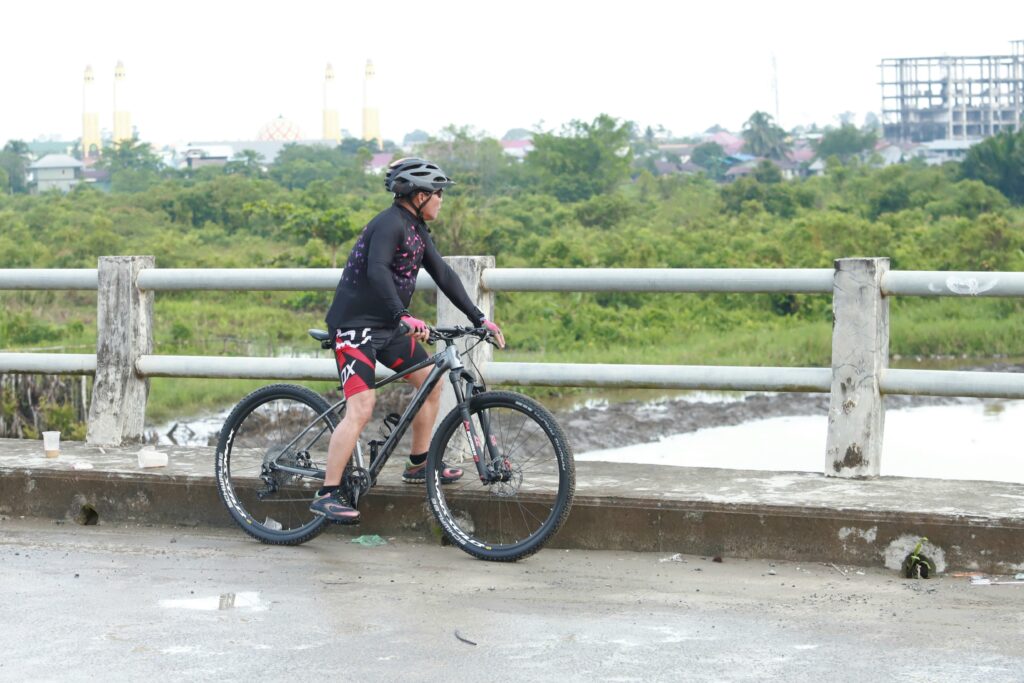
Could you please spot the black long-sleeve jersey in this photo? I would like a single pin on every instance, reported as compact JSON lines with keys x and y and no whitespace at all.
{"x":380,"y":274}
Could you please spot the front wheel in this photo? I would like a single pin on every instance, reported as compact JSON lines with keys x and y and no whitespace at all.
{"x":515,"y":515}
{"x":281,"y":424}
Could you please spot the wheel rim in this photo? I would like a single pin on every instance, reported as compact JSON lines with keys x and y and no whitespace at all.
{"x":510,"y":514}
{"x":266,"y":498}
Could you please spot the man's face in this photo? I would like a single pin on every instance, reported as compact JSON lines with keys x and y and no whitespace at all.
{"x":433,"y":205}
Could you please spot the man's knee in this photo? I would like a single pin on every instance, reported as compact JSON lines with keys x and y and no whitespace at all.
{"x":359,"y":408}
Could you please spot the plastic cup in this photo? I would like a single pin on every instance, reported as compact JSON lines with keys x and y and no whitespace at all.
{"x":51,"y":444}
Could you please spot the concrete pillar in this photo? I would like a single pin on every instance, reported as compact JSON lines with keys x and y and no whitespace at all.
{"x":470,"y":270}
{"x":860,"y":353}
{"x":124,"y":322}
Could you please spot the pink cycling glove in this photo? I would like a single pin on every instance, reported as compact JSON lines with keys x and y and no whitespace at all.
{"x":415,"y":324}
{"x":496,"y":331}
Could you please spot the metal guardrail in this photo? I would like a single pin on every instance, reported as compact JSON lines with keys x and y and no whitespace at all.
{"x":932,"y":283}
{"x":857,"y":380}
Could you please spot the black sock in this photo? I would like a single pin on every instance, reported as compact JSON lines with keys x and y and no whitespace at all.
{"x":328,"y":489}
{"x":418,"y":459}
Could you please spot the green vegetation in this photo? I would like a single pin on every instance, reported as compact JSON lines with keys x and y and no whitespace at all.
{"x":581,"y":199}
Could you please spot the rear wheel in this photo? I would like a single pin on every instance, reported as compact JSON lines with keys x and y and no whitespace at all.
{"x":513,"y":517}
{"x":262,"y":431}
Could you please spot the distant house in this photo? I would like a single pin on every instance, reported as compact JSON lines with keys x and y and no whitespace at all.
{"x":380,"y":161}
{"x":683,"y":150}
{"x":789,"y":169}
{"x":938,"y":152}
{"x":268,"y":149}
{"x":208,"y":155}
{"x":672,"y":168}
{"x":741,"y":170}
{"x":517,"y":149}
{"x":730,"y":143}
{"x":54,"y":172}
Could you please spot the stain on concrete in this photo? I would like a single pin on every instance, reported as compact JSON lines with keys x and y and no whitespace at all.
{"x":866,"y":535}
{"x":854,"y":457}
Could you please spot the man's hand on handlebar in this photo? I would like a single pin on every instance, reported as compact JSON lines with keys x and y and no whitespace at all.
{"x":493,"y":328}
{"x":416,"y":328}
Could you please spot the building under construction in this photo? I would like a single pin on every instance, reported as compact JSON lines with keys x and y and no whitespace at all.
{"x":952,"y":98}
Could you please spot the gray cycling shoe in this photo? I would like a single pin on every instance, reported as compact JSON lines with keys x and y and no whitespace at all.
{"x":335,"y":508}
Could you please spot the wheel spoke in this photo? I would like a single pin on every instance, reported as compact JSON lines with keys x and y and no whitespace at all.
{"x":268,"y":503}
{"x":509,"y":519}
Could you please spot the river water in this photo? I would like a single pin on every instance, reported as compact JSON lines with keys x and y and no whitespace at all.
{"x":970,"y":439}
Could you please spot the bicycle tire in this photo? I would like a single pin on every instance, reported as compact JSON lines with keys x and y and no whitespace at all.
{"x":266,"y":419}
{"x":505,"y":521}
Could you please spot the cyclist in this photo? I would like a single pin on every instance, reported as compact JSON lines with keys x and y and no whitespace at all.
{"x":369,"y":305}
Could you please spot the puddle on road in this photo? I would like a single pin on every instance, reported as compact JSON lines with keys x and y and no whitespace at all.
{"x":247,"y":600}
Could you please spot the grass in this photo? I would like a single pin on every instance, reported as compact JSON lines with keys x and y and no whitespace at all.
{"x":262,"y":324}
{"x":175,"y":397}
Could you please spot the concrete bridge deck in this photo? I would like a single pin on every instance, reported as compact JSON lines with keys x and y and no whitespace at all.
{"x":970,"y":525}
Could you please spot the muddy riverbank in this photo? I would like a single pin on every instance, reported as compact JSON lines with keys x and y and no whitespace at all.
{"x":609,"y":423}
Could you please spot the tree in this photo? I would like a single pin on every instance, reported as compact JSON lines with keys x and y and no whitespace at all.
{"x":133,"y":165}
{"x":13,"y":166}
{"x":711,"y":157}
{"x":586,"y":159}
{"x":872,"y":123}
{"x":353,"y":145}
{"x":470,"y":157}
{"x":317,"y":216}
{"x":415,"y":137}
{"x":248,"y":163}
{"x":763,"y":137}
{"x":845,"y":142}
{"x":999,"y":163}
{"x":19,"y":147}
{"x":768,"y":173}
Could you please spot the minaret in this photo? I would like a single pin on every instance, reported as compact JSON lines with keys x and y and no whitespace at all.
{"x":122,"y":118}
{"x":371,"y":119}
{"x":332,"y":129}
{"x":91,"y":143}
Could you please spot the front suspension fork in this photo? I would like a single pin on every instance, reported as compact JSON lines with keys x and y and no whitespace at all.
{"x":490,"y":464}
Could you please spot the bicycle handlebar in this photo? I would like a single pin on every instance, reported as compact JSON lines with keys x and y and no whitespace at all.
{"x":450,"y":334}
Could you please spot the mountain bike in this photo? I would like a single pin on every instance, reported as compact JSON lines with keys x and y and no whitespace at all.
{"x":272,"y":454}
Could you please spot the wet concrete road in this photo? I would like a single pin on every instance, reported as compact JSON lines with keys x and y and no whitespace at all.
{"x":124,"y":603}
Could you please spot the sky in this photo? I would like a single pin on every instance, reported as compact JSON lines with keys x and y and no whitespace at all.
{"x":205,"y":71}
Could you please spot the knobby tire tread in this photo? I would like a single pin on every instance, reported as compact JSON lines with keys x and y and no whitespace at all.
{"x":237,"y":416}
{"x":452,"y":422}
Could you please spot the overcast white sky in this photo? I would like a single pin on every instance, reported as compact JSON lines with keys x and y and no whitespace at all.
{"x":217,"y":70}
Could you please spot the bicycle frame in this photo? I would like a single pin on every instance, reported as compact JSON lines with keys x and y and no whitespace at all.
{"x":446,"y":361}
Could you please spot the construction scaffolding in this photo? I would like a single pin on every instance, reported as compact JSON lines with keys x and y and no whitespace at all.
{"x":952,"y":98}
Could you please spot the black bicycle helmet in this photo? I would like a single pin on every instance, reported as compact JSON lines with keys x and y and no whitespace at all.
{"x":412,"y":174}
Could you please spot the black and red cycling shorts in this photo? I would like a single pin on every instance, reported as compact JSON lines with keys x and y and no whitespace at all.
{"x":358,"y":350}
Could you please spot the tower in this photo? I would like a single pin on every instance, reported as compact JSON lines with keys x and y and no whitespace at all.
{"x":371,"y":119}
{"x":91,"y":143}
{"x":332,"y":130}
{"x":122,"y":117}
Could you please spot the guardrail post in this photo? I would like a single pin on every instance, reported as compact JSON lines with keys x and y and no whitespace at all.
{"x":124,"y":322}
{"x":860,"y":353}
{"x":470,"y":270}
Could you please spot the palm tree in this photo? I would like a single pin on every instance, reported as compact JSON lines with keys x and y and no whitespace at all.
{"x":763,"y":137}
